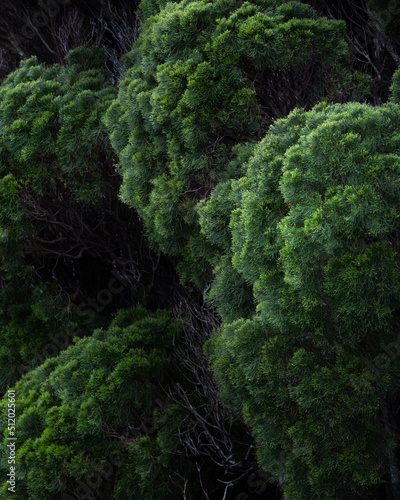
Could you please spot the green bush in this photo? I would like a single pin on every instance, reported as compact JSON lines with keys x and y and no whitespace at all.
{"x":314,"y":230}
{"x":55,"y":184}
{"x":202,"y":78}
{"x":51,"y":133}
{"x":97,"y":418}
{"x":120,"y":415}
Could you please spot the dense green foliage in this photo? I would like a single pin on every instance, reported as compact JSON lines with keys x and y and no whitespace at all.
{"x":98,"y":419}
{"x":240,"y":182}
{"x":52,"y":151}
{"x":315,"y":232}
{"x":65,"y":236}
{"x":202,"y":78}
{"x":36,"y":322}
{"x":41,"y":147}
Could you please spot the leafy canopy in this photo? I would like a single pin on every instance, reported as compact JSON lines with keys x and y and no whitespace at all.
{"x":202,"y":78}
{"x":101,"y":404}
{"x":54,"y":155}
{"x":313,"y":228}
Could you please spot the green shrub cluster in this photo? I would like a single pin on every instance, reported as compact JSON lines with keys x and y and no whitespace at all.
{"x":239,"y":149}
{"x":315,"y":232}
{"x":54,"y":156}
{"x":97,"y":419}
{"x":50,"y":127}
{"x":201,"y":79}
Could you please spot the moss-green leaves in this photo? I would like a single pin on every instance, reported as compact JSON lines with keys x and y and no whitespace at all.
{"x":201,"y":79}
{"x":314,"y":229}
{"x":96,"y":400}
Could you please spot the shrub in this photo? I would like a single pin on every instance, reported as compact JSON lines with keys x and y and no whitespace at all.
{"x":315,"y":232}
{"x":94,"y":416}
{"x":202,"y":78}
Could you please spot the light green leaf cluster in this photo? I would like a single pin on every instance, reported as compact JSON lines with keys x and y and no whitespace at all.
{"x":50,"y":127}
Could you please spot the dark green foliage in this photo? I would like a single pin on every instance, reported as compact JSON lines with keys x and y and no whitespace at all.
{"x":36,"y":322}
{"x":315,"y":231}
{"x":66,"y":239}
{"x":118,"y":415}
{"x":100,"y":399}
{"x":293,"y":239}
{"x":86,"y":57}
{"x":54,"y":161}
{"x":68,"y":246}
{"x":395,"y":87}
{"x":50,"y":125}
{"x":202,"y":78}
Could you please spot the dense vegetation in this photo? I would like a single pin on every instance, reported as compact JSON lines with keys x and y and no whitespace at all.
{"x":199,"y":249}
{"x":203,"y":79}
{"x":315,"y":232}
{"x":99,"y":418}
